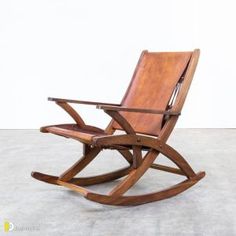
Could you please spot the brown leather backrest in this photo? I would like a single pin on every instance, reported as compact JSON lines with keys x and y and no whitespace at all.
{"x":151,"y":87}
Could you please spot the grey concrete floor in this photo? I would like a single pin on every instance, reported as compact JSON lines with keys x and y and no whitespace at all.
{"x":36,"y":208}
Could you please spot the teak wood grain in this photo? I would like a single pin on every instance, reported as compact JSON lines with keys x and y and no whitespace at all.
{"x":147,"y":114}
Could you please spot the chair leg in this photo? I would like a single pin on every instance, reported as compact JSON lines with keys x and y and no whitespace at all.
{"x":134,"y":176}
{"x":72,"y":171}
{"x":86,"y":149}
{"x":80,"y":165}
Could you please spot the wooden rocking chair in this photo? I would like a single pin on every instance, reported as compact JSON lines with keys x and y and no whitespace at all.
{"x":148,"y":113}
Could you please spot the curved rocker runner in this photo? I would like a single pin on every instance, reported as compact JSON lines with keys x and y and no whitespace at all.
{"x":147,"y":115}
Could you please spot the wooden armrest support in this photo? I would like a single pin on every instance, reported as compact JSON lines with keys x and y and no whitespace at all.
{"x":140,"y":110}
{"x":80,"y":102}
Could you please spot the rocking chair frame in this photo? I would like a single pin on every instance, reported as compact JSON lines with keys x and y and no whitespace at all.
{"x":132,"y":140}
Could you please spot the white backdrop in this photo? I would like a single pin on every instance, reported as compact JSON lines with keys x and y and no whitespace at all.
{"x":88,"y":50}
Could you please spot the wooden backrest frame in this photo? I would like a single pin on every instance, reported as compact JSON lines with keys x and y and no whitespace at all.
{"x":180,"y":99}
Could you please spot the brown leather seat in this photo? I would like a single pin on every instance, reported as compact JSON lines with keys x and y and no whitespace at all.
{"x":84,"y":135}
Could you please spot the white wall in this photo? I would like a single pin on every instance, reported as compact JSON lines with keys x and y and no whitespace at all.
{"x":88,"y":50}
